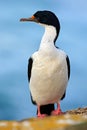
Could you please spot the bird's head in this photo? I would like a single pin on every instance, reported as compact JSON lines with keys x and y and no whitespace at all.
{"x":44,"y":18}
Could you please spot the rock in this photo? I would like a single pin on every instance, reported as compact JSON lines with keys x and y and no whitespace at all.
{"x":71,"y":120}
{"x":79,"y":111}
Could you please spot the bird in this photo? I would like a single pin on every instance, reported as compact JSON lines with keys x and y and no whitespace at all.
{"x":48,"y":67}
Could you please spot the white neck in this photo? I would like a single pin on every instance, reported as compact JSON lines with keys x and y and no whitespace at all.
{"x":48,"y":37}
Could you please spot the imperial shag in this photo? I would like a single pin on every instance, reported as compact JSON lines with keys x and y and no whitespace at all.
{"x":48,"y":68}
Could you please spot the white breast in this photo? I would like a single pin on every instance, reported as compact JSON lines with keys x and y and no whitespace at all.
{"x":49,"y":76}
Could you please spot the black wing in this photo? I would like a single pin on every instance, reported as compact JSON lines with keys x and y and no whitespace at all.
{"x":30,"y":63}
{"x":68,"y":68}
{"x":63,"y":96}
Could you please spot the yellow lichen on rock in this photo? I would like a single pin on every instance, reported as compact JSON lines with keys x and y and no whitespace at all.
{"x":64,"y":122}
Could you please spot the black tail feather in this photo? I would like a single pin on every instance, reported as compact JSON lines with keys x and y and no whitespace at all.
{"x":47,"y":109}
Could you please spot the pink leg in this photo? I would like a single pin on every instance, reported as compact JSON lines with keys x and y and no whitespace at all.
{"x":57,"y":111}
{"x":39,"y":114}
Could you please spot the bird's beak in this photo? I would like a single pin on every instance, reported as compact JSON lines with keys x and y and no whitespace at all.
{"x":32,"y":19}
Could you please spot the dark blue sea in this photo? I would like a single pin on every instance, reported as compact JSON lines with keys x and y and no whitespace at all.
{"x":19,"y":40}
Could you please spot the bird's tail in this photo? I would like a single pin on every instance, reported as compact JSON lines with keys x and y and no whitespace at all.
{"x":47,"y":109}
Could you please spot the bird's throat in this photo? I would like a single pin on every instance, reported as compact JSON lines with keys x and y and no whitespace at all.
{"x":48,"y":37}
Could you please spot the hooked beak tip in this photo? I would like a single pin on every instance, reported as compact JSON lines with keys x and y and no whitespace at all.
{"x":32,"y":19}
{"x":23,"y":19}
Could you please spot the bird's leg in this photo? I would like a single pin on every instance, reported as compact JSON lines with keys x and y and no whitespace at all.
{"x":57,"y":111}
{"x":39,"y":113}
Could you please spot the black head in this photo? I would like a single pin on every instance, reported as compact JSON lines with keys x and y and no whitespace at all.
{"x":45,"y":17}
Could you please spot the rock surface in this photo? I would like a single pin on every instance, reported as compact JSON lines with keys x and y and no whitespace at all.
{"x":79,"y":111}
{"x":71,"y":120}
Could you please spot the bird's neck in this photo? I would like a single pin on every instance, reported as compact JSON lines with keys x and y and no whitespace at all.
{"x":48,"y":37}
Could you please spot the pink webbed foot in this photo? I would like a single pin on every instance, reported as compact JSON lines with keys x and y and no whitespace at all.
{"x":39,"y":115}
{"x":57,"y":111}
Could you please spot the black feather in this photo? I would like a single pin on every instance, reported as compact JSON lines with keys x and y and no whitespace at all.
{"x":30,"y":62}
{"x":68,"y":66}
{"x":63,"y":96}
{"x":46,"y":109}
{"x":32,"y":100}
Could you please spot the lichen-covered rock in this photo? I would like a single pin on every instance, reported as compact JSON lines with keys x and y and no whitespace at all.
{"x":79,"y":111}
{"x":69,"y":121}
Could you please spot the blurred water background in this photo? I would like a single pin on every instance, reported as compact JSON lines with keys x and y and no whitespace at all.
{"x":19,"y":40}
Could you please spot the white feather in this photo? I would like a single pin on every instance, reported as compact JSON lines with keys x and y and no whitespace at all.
{"x":49,"y":75}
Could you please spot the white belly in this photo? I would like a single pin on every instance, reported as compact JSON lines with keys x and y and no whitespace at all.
{"x":48,"y":79}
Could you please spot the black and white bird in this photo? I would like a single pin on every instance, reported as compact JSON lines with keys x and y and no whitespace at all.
{"x":48,"y":68}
